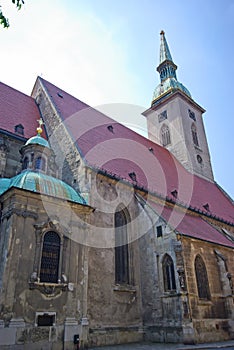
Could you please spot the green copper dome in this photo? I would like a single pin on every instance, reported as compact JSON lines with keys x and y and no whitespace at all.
{"x":38,"y":140}
{"x":41,"y":183}
{"x":169,"y":84}
{"x":4,"y":185}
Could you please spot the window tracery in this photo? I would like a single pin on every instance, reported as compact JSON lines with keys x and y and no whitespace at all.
{"x":165,"y":135}
{"x":168,"y":274}
{"x":202,"y":278}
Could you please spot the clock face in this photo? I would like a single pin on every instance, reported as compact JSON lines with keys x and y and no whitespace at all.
{"x":192,"y":115}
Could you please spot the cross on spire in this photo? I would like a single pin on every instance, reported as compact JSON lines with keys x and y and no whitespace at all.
{"x":39,"y":128}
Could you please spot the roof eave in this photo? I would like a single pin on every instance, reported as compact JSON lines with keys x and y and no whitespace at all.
{"x":204,"y":240}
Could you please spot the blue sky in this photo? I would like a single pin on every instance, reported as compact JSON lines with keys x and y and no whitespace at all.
{"x":105,"y":53}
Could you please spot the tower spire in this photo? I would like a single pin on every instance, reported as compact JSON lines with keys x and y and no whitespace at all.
{"x":165,"y":54}
{"x":175,"y":119}
{"x":166,"y":68}
{"x":167,"y":71}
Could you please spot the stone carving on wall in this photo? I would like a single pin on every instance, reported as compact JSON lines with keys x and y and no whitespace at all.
{"x":49,"y":290}
{"x":182,"y":281}
{"x":226,"y":277}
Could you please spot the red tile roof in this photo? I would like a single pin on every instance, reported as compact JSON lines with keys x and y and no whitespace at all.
{"x":192,"y":226}
{"x":120,"y":151}
{"x":17,"y":108}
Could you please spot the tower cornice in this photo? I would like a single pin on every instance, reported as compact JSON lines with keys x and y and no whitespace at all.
{"x":169,"y":95}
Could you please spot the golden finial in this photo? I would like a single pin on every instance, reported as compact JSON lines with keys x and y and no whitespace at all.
{"x":39,"y":128}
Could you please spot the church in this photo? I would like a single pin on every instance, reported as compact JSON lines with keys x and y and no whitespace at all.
{"x":106,"y":236}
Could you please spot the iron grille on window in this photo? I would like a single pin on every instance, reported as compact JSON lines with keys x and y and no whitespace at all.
{"x":50,"y":258}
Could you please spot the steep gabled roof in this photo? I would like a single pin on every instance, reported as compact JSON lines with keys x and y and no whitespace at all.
{"x":17,"y":108}
{"x":119,"y":151}
{"x":192,"y":225}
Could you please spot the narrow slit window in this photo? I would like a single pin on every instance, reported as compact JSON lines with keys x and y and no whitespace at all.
{"x":121,"y":249}
{"x":194,"y":135}
{"x":40,"y":163}
{"x":159,"y":231}
{"x":168,"y":274}
{"x":25,"y":163}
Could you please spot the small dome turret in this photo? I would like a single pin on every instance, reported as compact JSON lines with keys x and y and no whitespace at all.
{"x":38,"y":140}
{"x":37,"y":154}
{"x":35,"y":174}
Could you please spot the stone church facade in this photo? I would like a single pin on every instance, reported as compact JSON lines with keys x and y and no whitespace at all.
{"x":109,"y":237}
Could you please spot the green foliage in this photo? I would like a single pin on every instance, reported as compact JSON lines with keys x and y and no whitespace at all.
{"x":4,"y":22}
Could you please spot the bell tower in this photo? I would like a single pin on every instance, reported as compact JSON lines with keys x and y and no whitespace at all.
{"x":174,"y":119}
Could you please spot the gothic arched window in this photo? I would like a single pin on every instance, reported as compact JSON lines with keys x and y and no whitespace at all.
{"x":50,"y":257}
{"x":201,"y":278}
{"x":168,"y":273}
{"x":194,"y":135}
{"x":121,"y":248}
{"x":40,"y":163}
{"x":165,"y":135}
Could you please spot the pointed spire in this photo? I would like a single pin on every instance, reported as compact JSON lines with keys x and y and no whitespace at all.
{"x":165,"y":54}
{"x":167,"y":71}
{"x":166,"y":68}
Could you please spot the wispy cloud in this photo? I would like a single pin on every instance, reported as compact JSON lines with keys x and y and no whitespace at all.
{"x":76,"y":52}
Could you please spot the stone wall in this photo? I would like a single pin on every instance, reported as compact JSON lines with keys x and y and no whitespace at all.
{"x":179,"y":122}
{"x":211,"y":318}
{"x":10,"y":157}
{"x":109,"y":307}
{"x":117,"y":314}
{"x":23,"y":298}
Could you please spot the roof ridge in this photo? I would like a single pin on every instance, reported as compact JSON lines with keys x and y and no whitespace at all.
{"x":106,"y":116}
{"x":61,"y":90}
{"x":16,"y":90}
